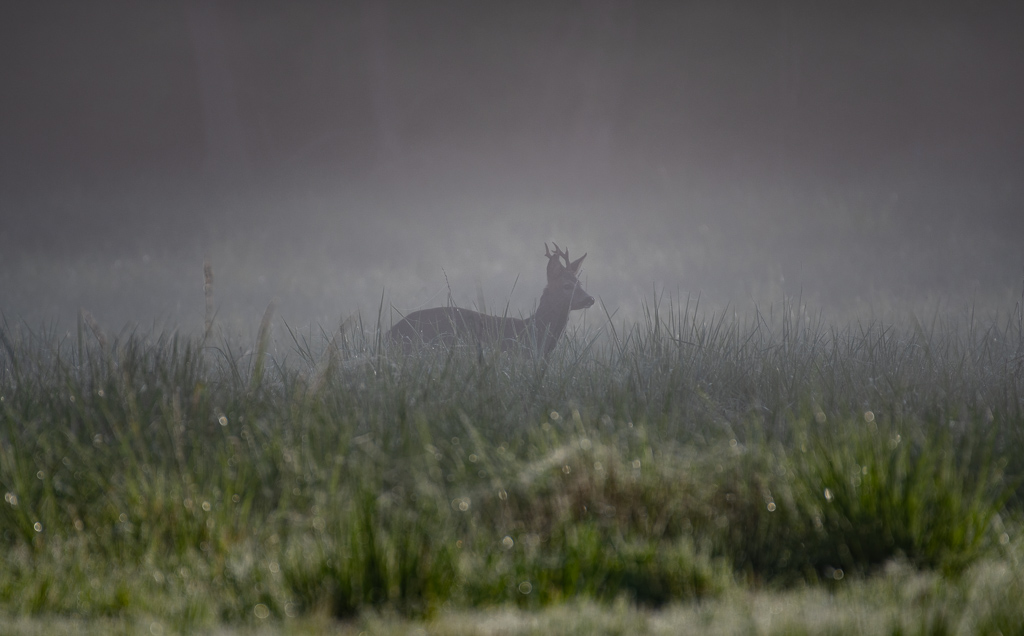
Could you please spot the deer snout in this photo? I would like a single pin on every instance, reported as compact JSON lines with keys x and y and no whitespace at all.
{"x":583,"y":302}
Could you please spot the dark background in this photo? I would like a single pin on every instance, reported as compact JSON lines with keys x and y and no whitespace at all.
{"x":861,"y":156}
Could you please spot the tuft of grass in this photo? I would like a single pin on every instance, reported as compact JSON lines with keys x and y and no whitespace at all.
{"x":852,"y":496}
{"x":883,"y":495}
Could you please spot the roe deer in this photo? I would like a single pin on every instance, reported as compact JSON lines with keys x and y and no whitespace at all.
{"x":539,"y":332}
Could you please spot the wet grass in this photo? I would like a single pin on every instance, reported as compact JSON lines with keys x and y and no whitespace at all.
{"x":652,"y":472}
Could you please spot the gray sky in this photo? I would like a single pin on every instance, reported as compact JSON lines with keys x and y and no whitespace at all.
{"x":323,"y":152}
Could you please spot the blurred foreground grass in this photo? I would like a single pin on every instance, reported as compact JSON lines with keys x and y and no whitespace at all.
{"x":725,"y":471}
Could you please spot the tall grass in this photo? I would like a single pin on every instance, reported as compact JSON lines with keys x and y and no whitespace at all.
{"x":663,"y":461}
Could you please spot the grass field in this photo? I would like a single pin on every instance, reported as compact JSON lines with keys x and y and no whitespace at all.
{"x":769,"y":473}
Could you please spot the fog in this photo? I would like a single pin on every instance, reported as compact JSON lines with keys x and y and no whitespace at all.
{"x":336,"y":156}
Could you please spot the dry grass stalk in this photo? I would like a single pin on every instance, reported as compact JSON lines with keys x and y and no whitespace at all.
{"x":208,"y":291}
{"x":262,"y":343}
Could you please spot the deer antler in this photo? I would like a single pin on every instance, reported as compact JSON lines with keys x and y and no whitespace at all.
{"x":552,"y":258}
{"x":558,"y":253}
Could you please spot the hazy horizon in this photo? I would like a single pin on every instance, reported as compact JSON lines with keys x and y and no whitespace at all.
{"x":864,"y":158}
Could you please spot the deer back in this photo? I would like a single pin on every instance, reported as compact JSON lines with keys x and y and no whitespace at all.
{"x":450,"y":325}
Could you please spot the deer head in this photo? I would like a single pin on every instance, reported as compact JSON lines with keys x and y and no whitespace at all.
{"x":563,"y":285}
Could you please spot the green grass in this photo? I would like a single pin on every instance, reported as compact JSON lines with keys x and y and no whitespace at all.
{"x":680,"y":465}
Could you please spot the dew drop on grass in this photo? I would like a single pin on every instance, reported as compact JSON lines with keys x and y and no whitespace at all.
{"x":502,"y":495}
{"x":261,"y":611}
{"x":507,"y":542}
{"x":828,"y":495}
{"x":771,"y":506}
{"x":869,"y":416}
{"x":223,"y":420}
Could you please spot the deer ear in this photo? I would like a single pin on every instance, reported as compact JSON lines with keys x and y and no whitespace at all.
{"x":575,"y":265}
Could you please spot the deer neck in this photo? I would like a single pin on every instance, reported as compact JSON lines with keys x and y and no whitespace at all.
{"x":549,"y":320}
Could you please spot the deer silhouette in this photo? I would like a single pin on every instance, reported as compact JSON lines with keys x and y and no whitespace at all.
{"x":538,"y":333}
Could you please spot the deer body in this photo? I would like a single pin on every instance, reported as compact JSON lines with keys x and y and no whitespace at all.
{"x":540,"y":332}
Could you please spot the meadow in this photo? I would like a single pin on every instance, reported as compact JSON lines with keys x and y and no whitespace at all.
{"x":769,"y":472}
